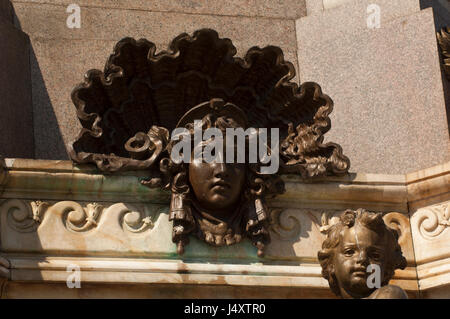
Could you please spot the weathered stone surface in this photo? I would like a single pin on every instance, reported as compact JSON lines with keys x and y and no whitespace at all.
{"x":159,"y":291}
{"x":314,"y":7}
{"x":389,"y":113}
{"x":249,"y":8}
{"x":63,"y":55}
{"x":329,"y":4}
{"x":388,"y":8}
{"x":348,"y":20}
{"x":16,"y":119}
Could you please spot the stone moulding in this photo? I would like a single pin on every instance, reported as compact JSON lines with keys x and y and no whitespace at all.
{"x":62,"y":180}
{"x":121,"y":228}
{"x":177,"y":272}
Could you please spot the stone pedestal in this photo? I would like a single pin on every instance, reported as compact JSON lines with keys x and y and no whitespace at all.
{"x":16,"y":112}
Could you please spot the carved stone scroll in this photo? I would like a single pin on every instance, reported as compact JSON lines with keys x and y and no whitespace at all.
{"x":433,"y":221}
{"x":26,"y":216}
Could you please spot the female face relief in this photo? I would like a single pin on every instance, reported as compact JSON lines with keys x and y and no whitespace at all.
{"x":217,"y":186}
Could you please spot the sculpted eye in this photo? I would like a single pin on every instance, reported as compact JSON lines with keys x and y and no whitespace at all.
{"x":375,"y":256}
{"x":349,"y":252}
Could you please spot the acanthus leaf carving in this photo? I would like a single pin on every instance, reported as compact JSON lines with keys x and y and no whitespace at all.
{"x":27,"y":216}
{"x":39,"y":207}
{"x":24,"y":217}
{"x":80,"y":219}
{"x":136,"y":222}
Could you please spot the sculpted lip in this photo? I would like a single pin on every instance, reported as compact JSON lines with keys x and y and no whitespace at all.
{"x":221,"y":183}
{"x":359,"y":271}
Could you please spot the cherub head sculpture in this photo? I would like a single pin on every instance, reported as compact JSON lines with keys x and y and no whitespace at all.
{"x":130,"y":112}
{"x":360,"y":239}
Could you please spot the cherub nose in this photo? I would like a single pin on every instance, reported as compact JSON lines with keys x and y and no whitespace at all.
{"x":362,"y":257}
{"x":220,"y":170}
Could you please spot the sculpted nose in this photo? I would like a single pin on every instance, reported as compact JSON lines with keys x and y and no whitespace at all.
{"x":363,"y":258}
{"x":220,"y":170}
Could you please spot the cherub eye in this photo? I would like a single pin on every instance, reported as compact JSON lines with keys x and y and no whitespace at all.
{"x":349,"y":252}
{"x":375,"y":256}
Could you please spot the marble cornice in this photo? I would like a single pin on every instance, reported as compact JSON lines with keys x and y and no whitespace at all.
{"x":106,"y":221}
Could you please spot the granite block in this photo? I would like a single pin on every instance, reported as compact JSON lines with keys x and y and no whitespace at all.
{"x":314,"y":7}
{"x":16,"y":114}
{"x":291,"y":9}
{"x":63,"y":55}
{"x":350,"y":17}
{"x":389,"y":113}
{"x":329,"y":4}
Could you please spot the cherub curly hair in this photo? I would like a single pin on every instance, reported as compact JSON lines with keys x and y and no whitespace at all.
{"x":371,"y":220}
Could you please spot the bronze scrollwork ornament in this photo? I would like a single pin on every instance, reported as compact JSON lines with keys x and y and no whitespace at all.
{"x":128,"y":110}
{"x":358,"y":240}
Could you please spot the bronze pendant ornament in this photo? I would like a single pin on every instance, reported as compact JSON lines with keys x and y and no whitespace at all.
{"x":129,"y":110}
{"x":359,"y":240}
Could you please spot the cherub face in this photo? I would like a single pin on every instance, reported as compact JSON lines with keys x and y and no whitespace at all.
{"x":217,"y":186}
{"x":358,"y":248}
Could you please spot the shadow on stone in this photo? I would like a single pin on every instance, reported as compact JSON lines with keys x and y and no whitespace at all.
{"x":48,"y":140}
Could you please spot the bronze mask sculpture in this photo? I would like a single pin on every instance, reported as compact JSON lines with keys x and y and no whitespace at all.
{"x":360,"y":239}
{"x":219,"y":202}
{"x":129,"y":110}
